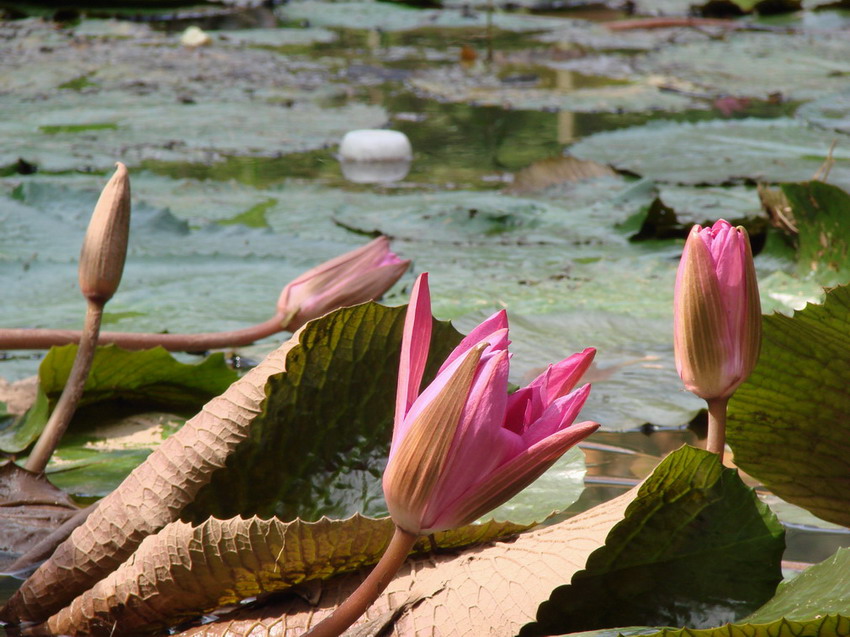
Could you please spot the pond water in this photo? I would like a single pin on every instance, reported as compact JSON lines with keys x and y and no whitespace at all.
{"x":473,"y":126}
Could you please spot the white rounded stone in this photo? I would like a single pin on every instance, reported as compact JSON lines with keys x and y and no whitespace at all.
{"x":375,"y":145}
{"x":194,"y":37}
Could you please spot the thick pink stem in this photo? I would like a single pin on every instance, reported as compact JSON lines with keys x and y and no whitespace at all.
{"x":360,"y":600}
{"x":46,"y":338}
{"x":716,"y":442}
{"x":67,"y":404}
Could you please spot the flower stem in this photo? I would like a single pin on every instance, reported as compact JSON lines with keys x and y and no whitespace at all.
{"x":46,"y":338}
{"x":352,"y":608}
{"x":64,"y":410}
{"x":716,"y":442}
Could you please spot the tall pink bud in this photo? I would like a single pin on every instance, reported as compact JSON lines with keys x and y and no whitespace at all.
{"x":717,"y":315}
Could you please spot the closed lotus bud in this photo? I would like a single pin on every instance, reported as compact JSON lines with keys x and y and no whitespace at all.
{"x":355,"y":277}
{"x":717,"y":315}
{"x":105,"y":245}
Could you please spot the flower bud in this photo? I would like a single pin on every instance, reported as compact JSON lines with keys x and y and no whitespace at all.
{"x":717,"y":315}
{"x":355,"y":277}
{"x":105,"y":244}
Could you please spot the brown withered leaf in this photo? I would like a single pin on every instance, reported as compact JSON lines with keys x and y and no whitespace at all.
{"x":557,"y":170}
{"x":153,"y":495}
{"x":30,"y":509}
{"x":498,"y":585}
{"x":184,"y":570}
{"x":254,"y":450}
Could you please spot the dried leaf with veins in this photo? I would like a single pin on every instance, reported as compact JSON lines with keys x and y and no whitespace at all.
{"x":225,"y":461}
{"x":496,"y":587}
{"x":153,"y":495}
{"x":185,"y":570}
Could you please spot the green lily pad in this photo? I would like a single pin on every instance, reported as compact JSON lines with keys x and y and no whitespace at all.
{"x":19,"y":432}
{"x":148,"y":376}
{"x":822,"y":589}
{"x":481,"y":86}
{"x":793,"y":66}
{"x":369,"y":14}
{"x":730,"y":151}
{"x":149,"y":127}
{"x":691,"y":517}
{"x":796,"y":403}
{"x":820,"y":212}
{"x":831,"y":112}
{"x":816,"y":603}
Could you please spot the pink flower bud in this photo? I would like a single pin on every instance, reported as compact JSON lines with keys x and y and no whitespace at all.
{"x":351,"y":278}
{"x":717,"y":315}
{"x":464,"y":446}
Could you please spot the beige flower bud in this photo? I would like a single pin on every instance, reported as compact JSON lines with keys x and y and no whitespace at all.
{"x":105,"y":245}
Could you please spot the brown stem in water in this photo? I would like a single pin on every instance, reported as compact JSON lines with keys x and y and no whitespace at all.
{"x":360,"y":600}
{"x":45,"y":338}
{"x":716,"y":442}
{"x":61,"y":416}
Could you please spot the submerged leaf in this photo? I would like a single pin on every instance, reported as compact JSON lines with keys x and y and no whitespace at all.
{"x":184,"y":570}
{"x":796,"y":404}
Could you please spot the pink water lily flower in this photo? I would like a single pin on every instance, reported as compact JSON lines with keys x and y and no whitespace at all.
{"x":464,"y":446}
{"x":717,"y":315}
{"x":355,"y":277}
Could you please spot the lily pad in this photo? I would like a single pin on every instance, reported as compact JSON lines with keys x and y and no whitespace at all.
{"x":148,"y":127}
{"x":790,"y":66}
{"x":831,"y":112}
{"x":371,"y":14}
{"x":742,"y":151}
{"x":484,"y":87}
{"x":637,"y":579}
{"x":795,"y":403}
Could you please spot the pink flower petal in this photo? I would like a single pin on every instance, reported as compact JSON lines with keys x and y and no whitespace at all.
{"x":557,"y":416}
{"x":415,"y":343}
{"x":560,"y":378}
{"x":483,"y":332}
{"x":479,"y":440}
{"x":508,"y":479}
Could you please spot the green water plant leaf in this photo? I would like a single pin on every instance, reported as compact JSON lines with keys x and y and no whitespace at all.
{"x":185,"y":570}
{"x":816,"y":603}
{"x":739,"y":151}
{"x":697,"y":547}
{"x":255,"y":449}
{"x":788,"y":424}
{"x":821,"y":215}
{"x":20,"y":431}
{"x":149,"y":376}
{"x":788,"y":67}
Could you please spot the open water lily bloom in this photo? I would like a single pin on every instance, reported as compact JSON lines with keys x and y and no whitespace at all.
{"x":464,"y":445}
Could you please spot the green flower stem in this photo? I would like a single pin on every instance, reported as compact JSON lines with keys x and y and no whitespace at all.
{"x":352,"y":608}
{"x":46,"y":338}
{"x":716,"y":442}
{"x":67,"y":405}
